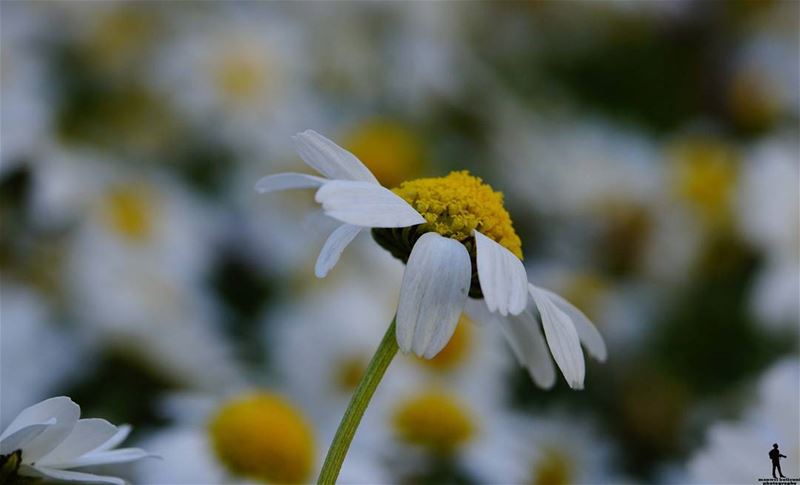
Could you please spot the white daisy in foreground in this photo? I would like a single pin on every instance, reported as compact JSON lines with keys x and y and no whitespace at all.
{"x":47,"y":440}
{"x":457,"y":241}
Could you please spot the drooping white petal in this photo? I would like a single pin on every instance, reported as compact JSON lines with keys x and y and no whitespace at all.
{"x":527,"y":342}
{"x":503,"y":279}
{"x":288,"y":181}
{"x":122,"y":433}
{"x":21,"y":437}
{"x":62,"y":409}
{"x":69,"y":476}
{"x":432,"y":295}
{"x":562,"y":338}
{"x":122,"y":455}
{"x":334,"y":245}
{"x":330,"y":159}
{"x":87,"y":435}
{"x":366,"y":205}
{"x":588,"y":334}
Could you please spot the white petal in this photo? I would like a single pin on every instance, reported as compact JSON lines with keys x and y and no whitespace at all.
{"x":87,"y":435}
{"x":433,"y":293}
{"x":330,"y":159}
{"x":21,"y":437}
{"x":122,"y":432}
{"x":479,"y":313}
{"x":587,"y":332}
{"x":503,"y":279}
{"x":561,"y":337}
{"x":525,"y":337}
{"x":367,"y":205}
{"x":69,"y":476}
{"x":122,"y":455}
{"x":336,"y":243}
{"x":62,"y":409}
{"x":288,"y":181}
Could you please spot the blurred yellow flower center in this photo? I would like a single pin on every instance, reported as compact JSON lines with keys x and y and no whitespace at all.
{"x":552,"y":469}
{"x":120,"y":37}
{"x":436,"y":421}
{"x":391,"y":151}
{"x":586,"y":291}
{"x":129,"y":212}
{"x":706,"y":177}
{"x":263,"y":437}
{"x":349,"y":371}
{"x":242,"y":74}
{"x":459,"y":203}
{"x":455,"y":352}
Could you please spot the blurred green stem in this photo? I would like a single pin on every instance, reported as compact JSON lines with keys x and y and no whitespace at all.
{"x":358,"y":404}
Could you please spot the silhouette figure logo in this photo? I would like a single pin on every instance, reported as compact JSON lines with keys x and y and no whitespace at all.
{"x":775,"y":455}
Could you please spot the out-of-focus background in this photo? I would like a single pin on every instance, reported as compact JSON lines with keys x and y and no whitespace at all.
{"x":648,"y":153}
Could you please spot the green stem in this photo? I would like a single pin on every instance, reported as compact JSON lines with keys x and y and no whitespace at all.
{"x":358,"y":404}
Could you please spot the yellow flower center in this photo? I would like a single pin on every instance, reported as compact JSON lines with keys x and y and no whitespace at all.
{"x":552,"y":469}
{"x":129,"y":212}
{"x":436,"y":421}
{"x":455,"y":352}
{"x":263,"y":437}
{"x":242,"y":74}
{"x":391,"y":151}
{"x":706,"y":174}
{"x":348,"y":372}
{"x":459,"y":203}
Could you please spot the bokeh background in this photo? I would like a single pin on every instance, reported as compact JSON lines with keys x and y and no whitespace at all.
{"x":648,"y":153}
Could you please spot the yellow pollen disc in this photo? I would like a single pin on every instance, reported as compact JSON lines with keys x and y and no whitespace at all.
{"x":263,"y":437}
{"x":552,"y":469}
{"x":391,"y":151}
{"x":348,"y":372}
{"x":436,"y":421}
{"x":455,"y":352}
{"x":129,"y":212}
{"x":459,"y":203}
{"x":706,"y":174}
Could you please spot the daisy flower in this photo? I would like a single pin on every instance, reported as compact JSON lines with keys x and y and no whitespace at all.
{"x":47,"y":440}
{"x":249,"y":436}
{"x":156,"y":234}
{"x":461,"y":254}
{"x":555,"y":449}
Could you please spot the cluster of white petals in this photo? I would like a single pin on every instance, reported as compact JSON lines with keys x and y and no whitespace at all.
{"x":52,"y":440}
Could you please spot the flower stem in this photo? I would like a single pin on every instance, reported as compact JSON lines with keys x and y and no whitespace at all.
{"x":358,"y":404}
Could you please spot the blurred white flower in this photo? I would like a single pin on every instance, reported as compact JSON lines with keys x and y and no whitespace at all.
{"x":305,"y":336}
{"x":28,"y":376}
{"x":737,"y":452}
{"x":769,"y":212}
{"x":601,"y":164}
{"x":27,"y":108}
{"x":543,"y":451}
{"x":237,"y":69}
{"x":440,"y":271}
{"x":247,"y":437}
{"x":432,"y":414}
{"x":47,"y":440}
{"x":137,"y":273}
